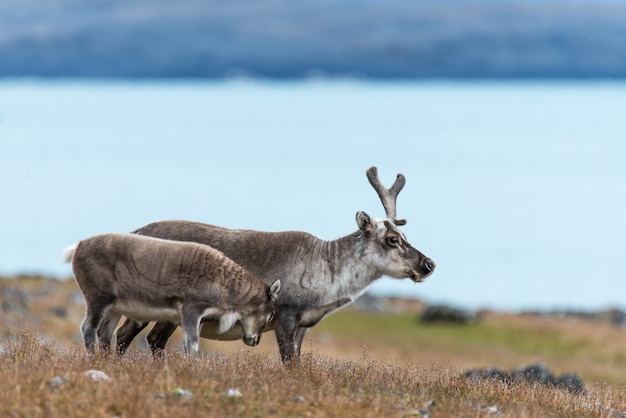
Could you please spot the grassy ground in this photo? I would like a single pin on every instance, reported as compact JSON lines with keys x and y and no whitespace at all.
{"x":595,"y":350}
{"x":355,"y":363}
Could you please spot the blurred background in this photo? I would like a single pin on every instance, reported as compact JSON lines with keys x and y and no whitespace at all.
{"x":506,"y":116}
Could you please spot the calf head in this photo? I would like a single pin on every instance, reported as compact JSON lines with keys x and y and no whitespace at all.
{"x":386,"y":245}
{"x":254,"y":322}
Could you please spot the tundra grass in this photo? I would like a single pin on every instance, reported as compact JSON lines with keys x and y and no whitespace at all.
{"x":40,"y":379}
{"x":595,"y":350}
{"x":354,"y":363}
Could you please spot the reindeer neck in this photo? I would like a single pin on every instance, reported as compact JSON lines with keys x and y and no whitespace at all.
{"x":347,"y":274}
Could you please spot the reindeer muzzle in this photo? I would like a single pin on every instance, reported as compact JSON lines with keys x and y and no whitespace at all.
{"x":251,"y":340}
{"x":417,"y":278}
{"x":426,"y":268}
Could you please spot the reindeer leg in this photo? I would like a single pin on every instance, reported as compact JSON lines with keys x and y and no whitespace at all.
{"x":285,"y":329}
{"x":106,"y":330}
{"x":310,"y":317}
{"x":93,"y":316}
{"x":127,"y":333}
{"x":159,"y":334}
{"x":191,"y":330}
{"x":299,"y":337}
{"x":88,"y":329}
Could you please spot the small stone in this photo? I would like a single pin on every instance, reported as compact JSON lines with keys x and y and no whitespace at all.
{"x":57,"y":381}
{"x":59,"y":311}
{"x":298,"y":399}
{"x":175,"y":393}
{"x":490,"y":409}
{"x":448,"y":314}
{"x":183,"y":393}
{"x":98,"y":376}
{"x":232,"y":393}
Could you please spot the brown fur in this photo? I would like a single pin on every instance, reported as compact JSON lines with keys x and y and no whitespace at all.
{"x":152,"y":279}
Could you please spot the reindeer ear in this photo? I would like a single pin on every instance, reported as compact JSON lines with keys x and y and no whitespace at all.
{"x":274,"y":289}
{"x":365,"y":222}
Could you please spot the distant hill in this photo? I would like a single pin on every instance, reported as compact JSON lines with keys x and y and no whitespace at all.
{"x":290,"y":39}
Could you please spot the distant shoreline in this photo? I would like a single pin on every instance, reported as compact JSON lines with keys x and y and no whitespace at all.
{"x":282,"y":39}
{"x":387,"y":303}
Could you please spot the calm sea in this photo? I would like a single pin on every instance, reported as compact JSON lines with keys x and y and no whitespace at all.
{"x":516,"y":189}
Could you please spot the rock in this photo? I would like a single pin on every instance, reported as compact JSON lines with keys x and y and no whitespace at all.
{"x":488,"y":373}
{"x":606,"y":411}
{"x":57,"y":381}
{"x":14,"y":300}
{"x":98,"y":376}
{"x":176,"y":393}
{"x":59,"y":311}
{"x":181,"y":392}
{"x":536,"y":373}
{"x":490,"y":409}
{"x":572,"y":382}
{"x":443,"y":313}
{"x":232,"y":393}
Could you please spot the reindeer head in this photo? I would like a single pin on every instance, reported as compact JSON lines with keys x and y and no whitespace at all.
{"x":254,"y":322}
{"x":389,"y":249}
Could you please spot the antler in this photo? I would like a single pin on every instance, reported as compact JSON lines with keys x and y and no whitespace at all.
{"x":387,"y":196}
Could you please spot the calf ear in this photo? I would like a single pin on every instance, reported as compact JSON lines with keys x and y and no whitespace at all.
{"x":273,"y":290}
{"x":365,"y":222}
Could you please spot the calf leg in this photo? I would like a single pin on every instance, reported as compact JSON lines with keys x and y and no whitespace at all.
{"x":191,"y":331}
{"x":88,"y":329}
{"x":159,"y":334}
{"x":106,"y":329}
{"x":93,"y":316}
{"x":127,"y":332}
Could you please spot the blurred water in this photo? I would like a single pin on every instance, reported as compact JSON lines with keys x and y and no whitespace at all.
{"x":516,"y":189}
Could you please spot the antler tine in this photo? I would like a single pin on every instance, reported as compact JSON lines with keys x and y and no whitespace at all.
{"x":389,"y":196}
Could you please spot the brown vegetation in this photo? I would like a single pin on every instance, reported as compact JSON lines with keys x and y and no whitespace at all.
{"x":355,"y":363}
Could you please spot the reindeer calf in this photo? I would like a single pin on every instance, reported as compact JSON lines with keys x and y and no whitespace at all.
{"x":150,"y":279}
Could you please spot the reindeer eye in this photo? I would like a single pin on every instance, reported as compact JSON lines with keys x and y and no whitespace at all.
{"x":393,"y":241}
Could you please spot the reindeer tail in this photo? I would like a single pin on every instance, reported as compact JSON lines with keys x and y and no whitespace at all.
{"x":68,"y":253}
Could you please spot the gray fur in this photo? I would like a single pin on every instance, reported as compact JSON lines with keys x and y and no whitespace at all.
{"x":317,"y":276}
{"x":150,"y":279}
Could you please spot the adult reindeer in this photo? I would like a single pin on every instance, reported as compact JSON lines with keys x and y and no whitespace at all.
{"x":316,"y":276}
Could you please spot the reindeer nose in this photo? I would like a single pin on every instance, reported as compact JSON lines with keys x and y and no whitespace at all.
{"x":428,"y":265}
{"x":251,"y":340}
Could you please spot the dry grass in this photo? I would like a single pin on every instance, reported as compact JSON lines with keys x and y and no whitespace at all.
{"x":595,"y":350}
{"x":354,"y":364}
{"x":319,"y":387}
